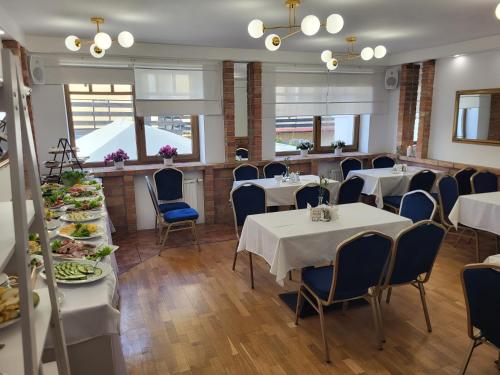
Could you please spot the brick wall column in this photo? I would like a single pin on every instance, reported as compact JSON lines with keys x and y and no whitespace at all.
{"x":254,"y":98}
{"x":209,"y":193}
{"x":228,"y":105}
{"x":129,"y":190}
{"x":407,"y":105}
{"x":426,"y":92}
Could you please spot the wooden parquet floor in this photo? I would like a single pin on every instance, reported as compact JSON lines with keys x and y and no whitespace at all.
{"x":186,"y":312}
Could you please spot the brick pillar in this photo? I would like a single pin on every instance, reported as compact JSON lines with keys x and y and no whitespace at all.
{"x":407,"y":105}
{"x":254,"y":97}
{"x":228,"y":105}
{"x":129,"y":201}
{"x":426,"y":91}
{"x":494,"y":131}
{"x":209,"y":192}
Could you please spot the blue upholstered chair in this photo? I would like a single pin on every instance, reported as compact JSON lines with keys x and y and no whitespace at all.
{"x":418,"y":205}
{"x":423,"y":180}
{"x":310,"y":194}
{"x":463,"y":179}
{"x":169,"y":184}
{"x":274,"y":168}
{"x":350,"y":190}
{"x":481,"y":283}
{"x":484,"y":182}
{"x":350,"y":164}
{"x":415,"y":251}
{"x":383,"y":161}
{"x":173,"y":220}
{"x":242,"y":153}
{"x":357,"y":272}
{"x":247,"y":199}
{"x":245,"y":172}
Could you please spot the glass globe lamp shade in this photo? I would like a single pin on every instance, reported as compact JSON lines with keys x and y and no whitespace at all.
{"x":102,"y":40}
{"x":96,"y":51}
{"x":273,"y":42}
{"x":367,"y":53}
{"x":332,"y":64}
{"x":334,"y":23}
{"x":326,"y":56}
{"x":497,"y":11}
{"x":125,"y":39}
{"x":380,"y":52}
{"x":310,"y":25}
{"x":256,"y":28}
{"x":72,"y":43}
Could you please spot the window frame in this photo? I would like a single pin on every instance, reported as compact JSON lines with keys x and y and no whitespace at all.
{"x":140,"y":135}
{"x":318,"y":149}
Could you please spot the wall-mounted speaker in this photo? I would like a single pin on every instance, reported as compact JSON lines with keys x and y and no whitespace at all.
{"x":37,"y":70}
{"x":391,"y":79}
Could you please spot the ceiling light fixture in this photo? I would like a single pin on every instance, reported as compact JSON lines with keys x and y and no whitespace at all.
{"x":497,"y":11}
{"x":332,"y":59}
{"x":2,"y":32}
{"x":310,"y":26}
{"x":101,"y":42}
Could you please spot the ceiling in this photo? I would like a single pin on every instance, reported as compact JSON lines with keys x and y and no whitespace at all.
{"x":402,"y":25}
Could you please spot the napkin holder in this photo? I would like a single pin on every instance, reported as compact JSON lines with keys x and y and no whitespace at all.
{"x":323,"y":213}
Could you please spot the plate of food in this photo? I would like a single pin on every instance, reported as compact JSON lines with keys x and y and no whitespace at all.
{"x":89,"y":185}
{"x":36,"y":262}
{"x":77,"y":192}
{"x":80,"y":231}
{"x":79,"y":272}
{"x":10,"y":309}
{"x":34,"y":246}
{"x":54,"y":201}
{"x":72,"y":249}
{"x":86,"y":204}
{"x":81,"y":216}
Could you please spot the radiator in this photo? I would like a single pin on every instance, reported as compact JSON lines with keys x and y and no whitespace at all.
{"x":191,"y":193}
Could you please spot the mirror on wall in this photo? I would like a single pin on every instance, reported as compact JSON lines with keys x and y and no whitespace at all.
{"x":3,"y":140}
{"x":240,"y":110}
{"x":477,"y":117}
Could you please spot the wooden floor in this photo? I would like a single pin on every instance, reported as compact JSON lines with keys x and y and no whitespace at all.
{"x":186,"y":312}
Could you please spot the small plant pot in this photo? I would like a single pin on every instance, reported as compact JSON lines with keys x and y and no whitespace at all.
{"x":338,"y":151}
{"x":119,"y":164}
{"x":168,"y":161}
{"x":303,"y":153}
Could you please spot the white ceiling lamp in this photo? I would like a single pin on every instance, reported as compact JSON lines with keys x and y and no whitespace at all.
{"x":497,"y":11}
{"x":101,"y":42}
{"x":2,"y":32}
{"x":350,"y":54}
{"x":310,"y":26}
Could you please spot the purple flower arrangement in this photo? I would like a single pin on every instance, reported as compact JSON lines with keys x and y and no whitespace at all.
{"x":167,"y":152}
{"x":117,"y":156}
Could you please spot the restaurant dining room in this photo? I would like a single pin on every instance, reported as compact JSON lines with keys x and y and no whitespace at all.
{"x":279,"y":187}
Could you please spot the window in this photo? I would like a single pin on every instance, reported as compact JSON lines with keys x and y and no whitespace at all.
{"x":322,"y":131}
{"x":101,"y":119}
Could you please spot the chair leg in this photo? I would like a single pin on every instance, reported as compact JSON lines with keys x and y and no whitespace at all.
{"x":376,"y":321}
{"x":381,"y":324}
{"x":388,"y":297}
{"x":424,"y":306}
{"x":468,"y":356}
{"x":476,"y":235}
{"x":235,"y":255}
{"x":323,"y":331}
{"x":164,"y":241}
{"x":300,"y":301}
{"x":195,"y":235}
{"x":290,"y":275}
{"x":251,"y":269}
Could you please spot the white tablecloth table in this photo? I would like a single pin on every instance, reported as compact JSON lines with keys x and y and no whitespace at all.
{"x":290,"y":240}
{"x":283,"y":193}
{"x":382,"y":182}
{"x":479,"y":211}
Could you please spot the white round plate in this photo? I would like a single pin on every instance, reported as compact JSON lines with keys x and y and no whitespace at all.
{"x":91,"y":237}
{"x":93,"y":215}
{"x":52,"y":224}
{"x":105,"y":267}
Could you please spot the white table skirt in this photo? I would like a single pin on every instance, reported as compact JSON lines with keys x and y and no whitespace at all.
{"x":382,"y":182}
{"x":479,"y":211}
{"x":283,"y":194}
{"x":290,"y":240}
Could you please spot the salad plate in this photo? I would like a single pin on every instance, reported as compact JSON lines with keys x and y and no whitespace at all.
{"x":79,"y":231}
{"x":79,"y":272}
{"x":77,"y":250}
{"x":10,"y":312}
{"x":81,"y":216}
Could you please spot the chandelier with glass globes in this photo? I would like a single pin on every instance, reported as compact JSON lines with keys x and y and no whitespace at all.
{"x":101,"y":42}
{"x":310,"y":26}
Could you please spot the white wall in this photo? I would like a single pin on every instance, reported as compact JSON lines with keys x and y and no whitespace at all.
{"x":476,"y":71}
{"x":5,"y":189}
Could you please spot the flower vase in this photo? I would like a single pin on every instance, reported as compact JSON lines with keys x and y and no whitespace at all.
{"x":119,"y":164}
{"x":168,"y":161}
{"x":338,"y":151}
{"x":303,"y":153}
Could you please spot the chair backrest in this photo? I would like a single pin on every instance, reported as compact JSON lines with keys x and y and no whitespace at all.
{"x":415,"y":251}
{"x":484,"y":182}
{"x":350,"y":190}
{"x":242,"y":153}
{"x":246,"y":172}
{"x":360,"y":264}
{"x":383,"y":162}
{"x":481,"y":283}
{"x":152,"y":195}
{"x":463,"y":179}
{"x":310,"y":194}
{"x":247,"y":199}
{"x":423,"y":180}
{"x":169,"y":183}
{"x":350,"y":164}
{"x":418,"y":205}
{"x":448,"y":194}
{"x":274,"y":168}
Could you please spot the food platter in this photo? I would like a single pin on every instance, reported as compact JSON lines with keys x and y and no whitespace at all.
{"x":10,"y":311}
{"x":79,"y":272}
{"x":77,"y":250}
{"x":81,"y":216}
{"x":79,"y":231}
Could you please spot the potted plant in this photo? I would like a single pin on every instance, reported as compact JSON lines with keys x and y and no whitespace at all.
{"x":118,"y":157}
{"x":304,"y":148}
{"x":338,"y":146}
{"x":167,"y":152}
